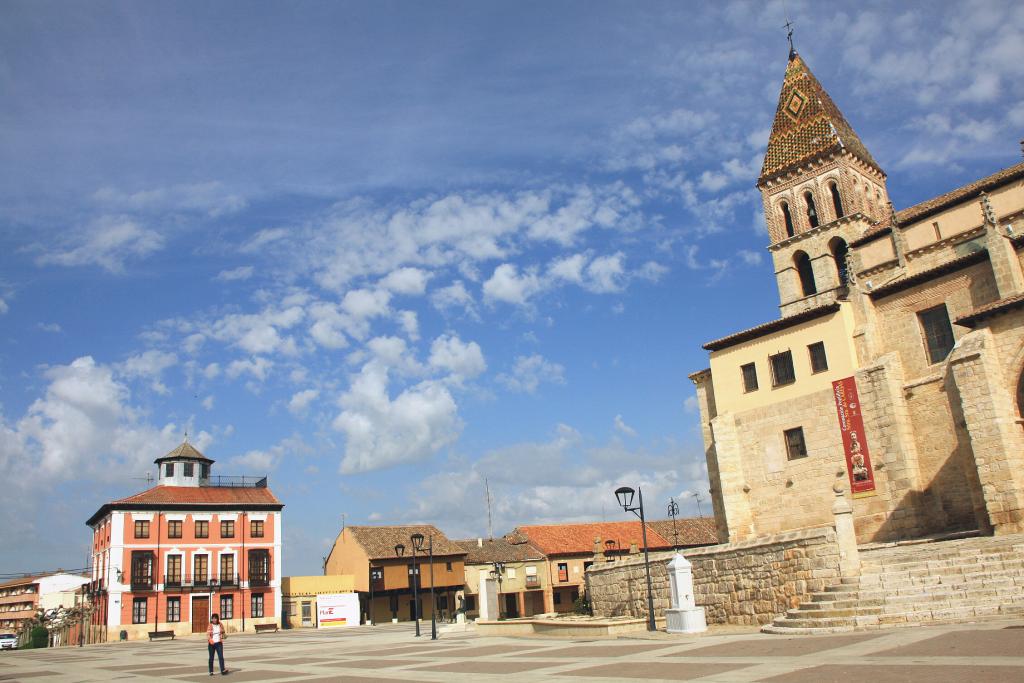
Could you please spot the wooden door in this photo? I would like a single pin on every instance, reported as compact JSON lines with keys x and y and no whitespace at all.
{"x":200,"y":613}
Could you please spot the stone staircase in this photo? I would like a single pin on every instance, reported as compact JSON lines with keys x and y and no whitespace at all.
{"x":918,"y":583}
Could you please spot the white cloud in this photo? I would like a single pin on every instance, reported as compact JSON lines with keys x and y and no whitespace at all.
{"x":208,"y":402}
{"x":621,"y":426}
{"x":411,"y":281}
{"x":750,"y":258}
{"x":262,"y":239}
{"x":605,"y":274}
{"x":108,"y":242}
{"x":4,"y":307}
{"x":84,"y":427}
{"x":210,"y":198}
{"x":462,"y":360}
{"x":690,"y":405}
{"x":259,"y":333}
{"x":506,"y":284}
{"x":211,"y":371}
{"x":54,"y":328}
{"x":381,"y":432}
{"x":149,"y":365}
{"x":235,"y":274}
{"x":454,"y":296}
{"x":257,"y":367}
{"x":410,"y":324}
{"x":529,"y":372}
{"x":300,"y":400}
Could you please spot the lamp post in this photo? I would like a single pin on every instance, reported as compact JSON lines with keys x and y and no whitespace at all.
{"x":624,"y":495}
{"x":369,"y":608}
{"x":433,"y":600}
{"x":400,"y":550}
{"x":417,"y":546}
{"x":673,"y":512}
{"x":496,"y":573}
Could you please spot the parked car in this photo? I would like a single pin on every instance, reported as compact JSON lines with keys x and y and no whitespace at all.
{"x":8,"y":641}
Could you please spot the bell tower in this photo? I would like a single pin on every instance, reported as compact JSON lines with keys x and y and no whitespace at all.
{"x":821,"y":189}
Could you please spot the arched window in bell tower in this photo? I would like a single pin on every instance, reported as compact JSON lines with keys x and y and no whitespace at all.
{"x":837,"y":201}
{"x":803,"y":268}
{"x":812,"y":211}
{"x":840,"y":251}
{"x":788,"y":218}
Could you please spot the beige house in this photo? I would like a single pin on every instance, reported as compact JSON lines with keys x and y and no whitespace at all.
{"x":299,"y":597}
{"x":380,"y":561}
{"x":895,"y":369}
{"x":569,"y":549}
{"x":518,"y":566}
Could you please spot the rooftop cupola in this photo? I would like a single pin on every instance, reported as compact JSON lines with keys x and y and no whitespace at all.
{"x":184,"y":466}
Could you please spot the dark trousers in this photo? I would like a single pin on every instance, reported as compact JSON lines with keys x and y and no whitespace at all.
{"x":219,"y":649}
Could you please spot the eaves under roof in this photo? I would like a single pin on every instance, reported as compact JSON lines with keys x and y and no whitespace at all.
{"x":770,"y":327}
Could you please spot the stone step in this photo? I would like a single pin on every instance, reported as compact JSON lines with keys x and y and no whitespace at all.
{"x":1006,"y":577}
{"x":795,"y":631}
{"x":881,"y":564}
{"x":843,"y":588}
{"x":841,"y":604}
{"x":823,"y":622}
{"x":801,"y":613}
{"x":962,"y":567}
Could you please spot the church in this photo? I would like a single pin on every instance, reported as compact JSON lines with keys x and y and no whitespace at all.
{"x":895,"y":371}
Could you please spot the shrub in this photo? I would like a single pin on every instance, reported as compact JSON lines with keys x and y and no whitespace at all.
{"x":40,"y":637}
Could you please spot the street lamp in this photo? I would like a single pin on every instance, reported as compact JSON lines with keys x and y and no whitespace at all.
{"x":400,"y":551}
{"x":417,"y":545}
{"x":496,"y":573}
{"x":433,"y":600}
{"x":673,"y":512}
{"x":624,"y":495}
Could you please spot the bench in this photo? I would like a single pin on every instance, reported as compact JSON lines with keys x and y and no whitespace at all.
{"x":161,"y":634}
{"x":260,"y":628}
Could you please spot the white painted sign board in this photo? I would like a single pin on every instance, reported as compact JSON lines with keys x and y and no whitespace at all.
{"x":337,"y":609}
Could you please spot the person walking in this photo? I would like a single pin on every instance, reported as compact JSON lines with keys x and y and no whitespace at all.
{"x":216,"y":634}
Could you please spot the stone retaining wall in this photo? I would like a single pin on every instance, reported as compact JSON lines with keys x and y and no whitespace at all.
{"x":737,"y":583}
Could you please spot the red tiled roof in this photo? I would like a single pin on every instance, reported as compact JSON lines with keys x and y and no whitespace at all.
{"x":991,"y":310}
{"x":692,"y":530}
{"x":511,"y":548}
{"x":772,"y":326}
{"x":929,"y":274}
{"x":203,"y":495}
{"x":185,"y":451}
{"x":380,"y":541}
{"x":576,"y":539}
{"x":177,"y":497}
{"x":936,"y":204}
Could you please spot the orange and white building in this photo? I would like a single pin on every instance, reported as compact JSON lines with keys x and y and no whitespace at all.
{"x":193,"y":545}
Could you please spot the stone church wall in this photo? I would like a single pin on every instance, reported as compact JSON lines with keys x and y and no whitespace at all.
{"x":738,"y":583}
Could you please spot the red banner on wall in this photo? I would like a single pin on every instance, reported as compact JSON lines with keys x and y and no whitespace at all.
{"x":855,"y":443}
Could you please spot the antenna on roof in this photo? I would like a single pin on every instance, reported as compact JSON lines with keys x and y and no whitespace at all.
{"x":186,"y":435}
{"x":789,"y":30}
{"x":148,"y":478}
{"x":487,"y":492}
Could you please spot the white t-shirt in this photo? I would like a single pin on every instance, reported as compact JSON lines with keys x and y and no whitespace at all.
{"x":215,"y":637}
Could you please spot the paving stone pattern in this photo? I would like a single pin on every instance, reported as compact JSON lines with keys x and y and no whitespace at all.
{"x":979,"y":653}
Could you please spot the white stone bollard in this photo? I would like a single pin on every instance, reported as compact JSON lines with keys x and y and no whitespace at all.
{"x":684,"y":615}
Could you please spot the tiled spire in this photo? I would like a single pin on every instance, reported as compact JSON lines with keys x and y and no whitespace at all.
{"x":807,"y":124}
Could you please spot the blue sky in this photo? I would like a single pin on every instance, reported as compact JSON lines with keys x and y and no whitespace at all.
{"x":383,"y":251}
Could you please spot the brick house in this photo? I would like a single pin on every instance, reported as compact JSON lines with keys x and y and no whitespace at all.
{"x":896,"y":369}
{"x":194,"y":544}
{"x":523,"y":577}
{"x":570,"y":548}
{"x":384,"y":578}
{"x":21,"y":598}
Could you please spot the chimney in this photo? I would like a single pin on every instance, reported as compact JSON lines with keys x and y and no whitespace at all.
{"x":633,"y":548}
{"x":479,"y":542}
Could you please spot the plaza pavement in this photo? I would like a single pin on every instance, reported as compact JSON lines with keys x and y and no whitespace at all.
{"x":979,"y":653}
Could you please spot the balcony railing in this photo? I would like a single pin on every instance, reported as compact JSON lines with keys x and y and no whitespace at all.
{"x":236,"y":482}
{"x":229,"y":580}
{"x":532,"y":582}
{"x":141,"y":583}
{"x":260,"y":579}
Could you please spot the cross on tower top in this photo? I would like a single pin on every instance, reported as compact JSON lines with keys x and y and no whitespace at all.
{"x":789,"y":36}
